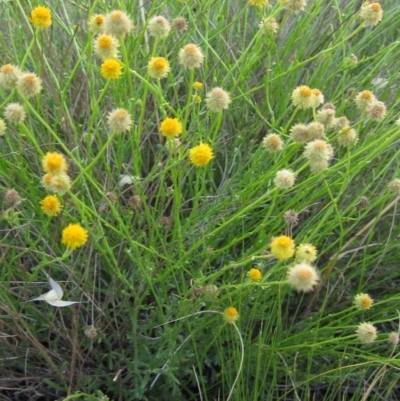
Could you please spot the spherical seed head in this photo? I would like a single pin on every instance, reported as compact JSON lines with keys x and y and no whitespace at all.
{"x":341,"y":122}
{"x":158,"y":27}
{"x":2,"y":127}
{"x":326,"y":117}
{"x":394,"y":186}
{"x":14,"y":113}
{"x":330,"y":106}
{"x":117,"y":23}
{"x":317,"y":98}
{"x":347,"y":137}
{"x":135,"y":202}
{"x":258,"y":3}
{"x":173,"y":145}
{"x":306,"y":253}
{"x":273,"y":143}
{"x":211,"y":290}
{"x":315,"y":131}
{"x":29,"y":84}
{"x":371,"y":13}
{"x":363,"y":99}
{"x":269,"y":25}
{"x":366,"y":332}
{"x":285,"y":179}
{"x":318,"y":150}
{"x":201,"y":154}
{"x":41,"y":17}
{"x":291,"y":217}
{"x":9,"y":75}
{"x":106,"y":46}
{"x":74,"y":236}
{"x":217,"y":100}
{"x":302,"y":97}
{"x":54,"y":163}
{"x":393,"y":338}
{"x":57,"y":183}
{"x":191,"y":56}
{"x":11,"y":197}
{"x":294,"y":5}
{"x":303,"y":277}
{"x":363,"y":203}
{"x":376,"y":111}
{"x":158,"y":67}
{"x":91,"y":332}
{"x":299,"y":133}
{"x":111,"y":69}
{"x":171,"y":127}
{"x":51,"y":205}
{"x":180,"y":24}
{"x":230,"y":315}
{"x":119,"y":120}
{"x":254,"y":274}
{"x":282,"y":247}
{"x":363,"y":301}
{"x":96,"y":23}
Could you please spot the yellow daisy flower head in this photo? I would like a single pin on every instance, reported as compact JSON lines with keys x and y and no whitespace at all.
{"x":198,"y":85}
{"x":9,"y":75}
{"x":282,"y":247}
{"x":254,"y":274}
{"x":96,"y":23}
{"x":363,"y":99}
{"x":74,"y":236}
{"x":117,"y":23}
{"x":54,"y":163}
{"x":106,"y":46}
{"x":302,"y":97}
{"x":366,"y":332}
{"x":201,"y":154}
{"x":171,"y":127}
{"x":119,"y":120}
{"x":158,"y":67}
{"x":303,"y":277}
{"x":258,"y":3}
{"x":306,"y":253}
{"x":41,"y":17}
{"x":230,"y":315}
{"x":363,"y":301}
{"x":29,"y":84}
{"x":51,"y":205}
{"x":111,"y":69}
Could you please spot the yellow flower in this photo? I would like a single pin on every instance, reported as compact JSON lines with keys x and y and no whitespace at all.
{"x":106,"y":46}
{"x":171,"y":127}
{"x":41,"y":17}
{"x":306,"y":253}
{"x":51,"y":205}
{"x":198,"y":85}
{"x":158,"y":67}
{"x":303,"y":97}
{"x":201,"y":154}
{"x":74,"y":236}
{"x":282,"y":247}
{"x":230,"y":315}
{"x":363,"y":301}
{"x":254,"y":274}
{"x":111,"y":69}
{"x":54,"y":163}
{"x":96,"y":23}
{"x":258,"y":3}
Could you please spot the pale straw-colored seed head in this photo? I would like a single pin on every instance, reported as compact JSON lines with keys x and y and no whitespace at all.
{"x":318,"y":150}
{"x":12,"y":197}
{"x":363,"y":99}
{"x":371,"y":13}
{"x":29,"y":84}
{"x":106,"y":46}
{"x":158,"y":27}
{"x":9,"y":75}
{"x":394,"y":186}
{"x":117,"y":23}
{"x":272,"y":143}
{"x":218,"y":99}
{"x":317,"y":98}
{"x":326,"y":117}
{"x":191,"y":56}
{"x":299,"y":133}
{"x":58,"y":183}
{"x":269,"y":26}
{"x":119,"y":120}
{"x":340,"y":123}
{"x":2,"y":127}
{"x":294,"y":5}
{"x":347,"y":137}
{"x":285,"y":179}
{"x":14,"y":113}
{"x":291,"y":217}
{"x":96,"y":23}
{"x":329,"y":106}
{"x":306,"y":253}
{"x":172,"y":145}
{"x":366,"y":332}
{"x":158,"y":67}
{"x":393,"y":338}
{"x":180,"y":24}
{"x":376,"y":111}
{"x":315,"y":130}
{"x":303,"y":277}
